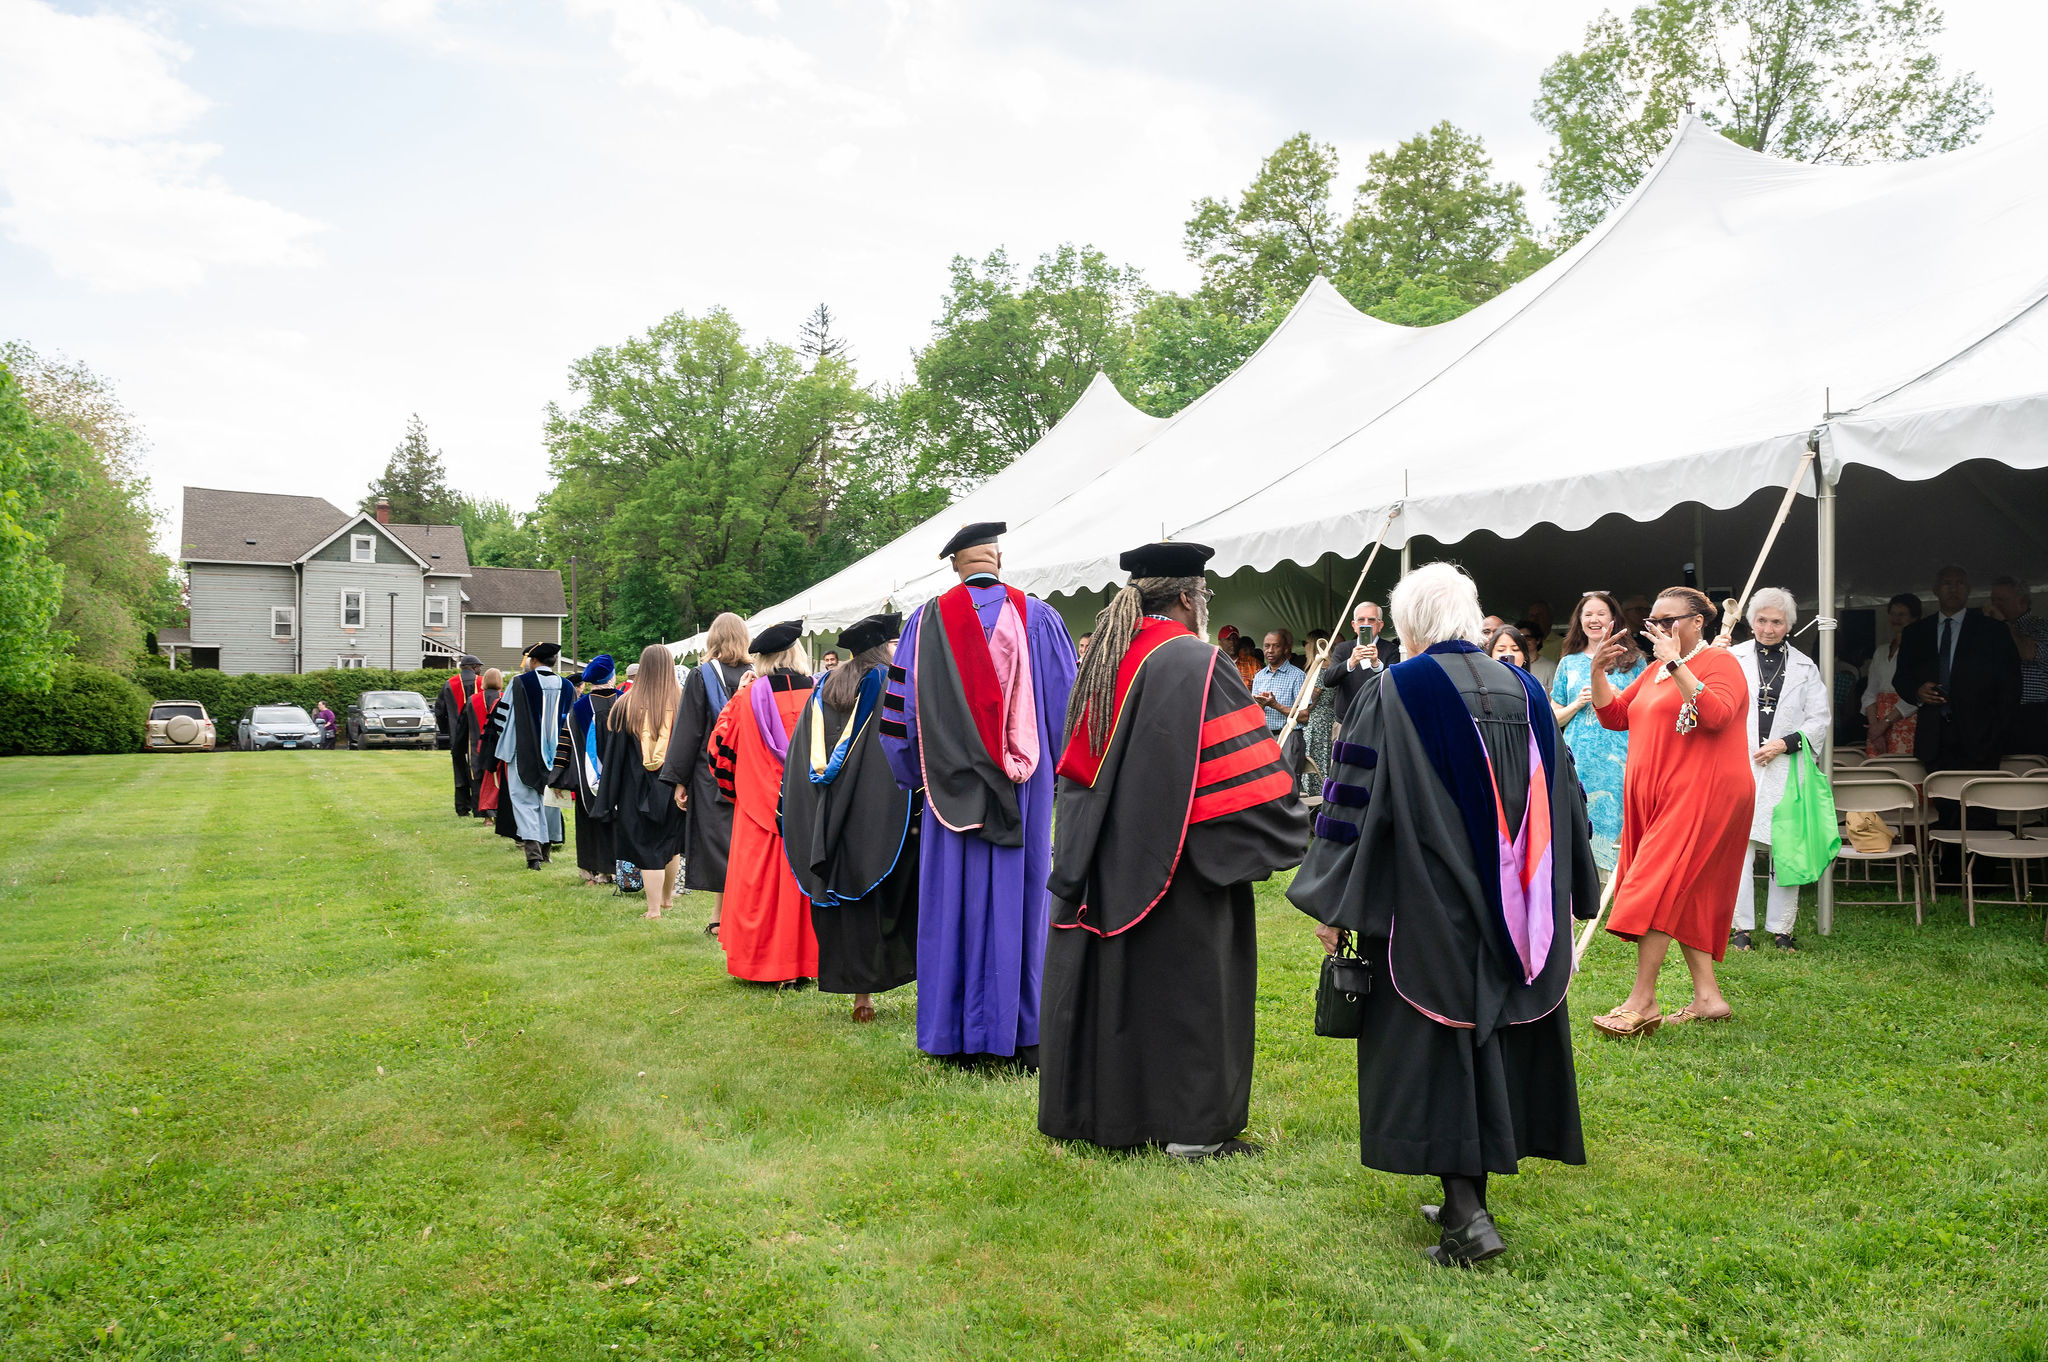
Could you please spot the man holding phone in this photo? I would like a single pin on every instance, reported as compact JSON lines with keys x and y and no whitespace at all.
{"x":1352,"y":665}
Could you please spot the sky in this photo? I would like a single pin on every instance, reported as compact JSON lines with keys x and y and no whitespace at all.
{"x":281,"y":227}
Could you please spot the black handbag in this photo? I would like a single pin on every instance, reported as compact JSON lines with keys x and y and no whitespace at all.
{"x":1340,"y":992}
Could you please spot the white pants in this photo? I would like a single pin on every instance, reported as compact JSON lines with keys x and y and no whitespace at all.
{"x":1782,"y":906}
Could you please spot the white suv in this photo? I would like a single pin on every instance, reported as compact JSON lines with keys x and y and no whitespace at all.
{"x":178,"y":726}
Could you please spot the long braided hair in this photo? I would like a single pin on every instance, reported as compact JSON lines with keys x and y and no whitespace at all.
{"x":1094,"y":693}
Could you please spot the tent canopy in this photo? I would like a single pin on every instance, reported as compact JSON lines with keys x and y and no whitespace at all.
{"x":1682,"y":352}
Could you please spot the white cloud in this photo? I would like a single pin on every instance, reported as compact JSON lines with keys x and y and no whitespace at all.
{"x":93,"y":174}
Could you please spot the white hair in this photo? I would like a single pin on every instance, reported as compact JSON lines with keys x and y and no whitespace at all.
{"x":1434,"y":604}
{"x":1774,"y":598}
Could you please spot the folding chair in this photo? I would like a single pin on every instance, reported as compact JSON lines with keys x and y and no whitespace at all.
{"x":1845,"y":757}
{"x":2009,"y":794}
{"x":2022,"y":764}
{"x":1946,"y":785}
{"x":1895,"y":797}
{"x":1909,"y":768}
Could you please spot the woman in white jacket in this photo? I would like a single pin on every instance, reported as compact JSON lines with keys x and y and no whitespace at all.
{"x":1788,"y":709}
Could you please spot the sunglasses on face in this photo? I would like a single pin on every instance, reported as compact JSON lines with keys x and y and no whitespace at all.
{"x":1667,"y":621}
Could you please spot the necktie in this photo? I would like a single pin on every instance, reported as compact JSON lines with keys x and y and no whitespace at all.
{"x":1948,"y":627}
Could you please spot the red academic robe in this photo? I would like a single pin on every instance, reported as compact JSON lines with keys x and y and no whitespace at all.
{"x":765,"y":925}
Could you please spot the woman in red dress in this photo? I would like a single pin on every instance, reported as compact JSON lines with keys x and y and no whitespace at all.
{"x":1686,"y":803}
{"x":765,"y":923}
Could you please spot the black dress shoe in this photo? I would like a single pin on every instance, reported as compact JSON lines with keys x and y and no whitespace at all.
{"x":534,"y":854}
{"x":1739,"y":941}
{"x":1472,"y":1242}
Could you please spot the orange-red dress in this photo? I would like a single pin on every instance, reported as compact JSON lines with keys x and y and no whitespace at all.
{"x":1686,"y":805}
{"x":765,"y":923}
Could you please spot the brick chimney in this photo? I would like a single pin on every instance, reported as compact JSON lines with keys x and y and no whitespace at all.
{"x":383,"y":510}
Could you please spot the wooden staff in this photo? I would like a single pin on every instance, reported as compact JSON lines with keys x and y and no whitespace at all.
{"x":1301,"y":697}
{"x":1586,"y":937}
{"x":1731,"y":609}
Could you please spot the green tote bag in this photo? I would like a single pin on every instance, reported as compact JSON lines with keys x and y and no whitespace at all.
{"x":1804,"y":836}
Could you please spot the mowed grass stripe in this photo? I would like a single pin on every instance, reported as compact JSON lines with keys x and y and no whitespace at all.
{"x":572,"y":1097}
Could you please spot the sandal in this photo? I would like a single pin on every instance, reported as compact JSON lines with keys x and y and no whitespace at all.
{"x":864,"y":1013}
{"x":1690,"y":1013}
{"x":1623,"y":1024}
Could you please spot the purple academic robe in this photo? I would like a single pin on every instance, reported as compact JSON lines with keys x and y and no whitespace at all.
{"x":981,"y":915}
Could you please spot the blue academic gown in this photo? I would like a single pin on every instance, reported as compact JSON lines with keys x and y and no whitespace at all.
{"x":536,"y":823}
{"x":982,"y":909}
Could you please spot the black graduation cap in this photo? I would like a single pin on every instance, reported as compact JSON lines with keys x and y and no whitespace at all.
{"x":1166,"y":560}
{"x":776,"y":637}
{"x":544,"y":653}
{"x":871,"y":632}
{"x":981,"y":532}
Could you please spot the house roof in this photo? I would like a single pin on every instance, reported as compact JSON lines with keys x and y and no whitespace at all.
{"x":219,"y":526}
{"x":514,"y":591}
{"x":442,"y":546}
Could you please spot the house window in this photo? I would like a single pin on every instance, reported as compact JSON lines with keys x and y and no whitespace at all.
{"x":437,"y":612}
{"x":282,"y":621}
{"x":350,"y":664}
{"x":351,"y":609}
{"x":362,"y":548}
{"x":511,"y":632}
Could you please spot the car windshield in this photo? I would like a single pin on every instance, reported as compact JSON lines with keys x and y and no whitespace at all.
{"x":393,"y":699}
{"x":281,"y":714}
{"x":176,"y":711}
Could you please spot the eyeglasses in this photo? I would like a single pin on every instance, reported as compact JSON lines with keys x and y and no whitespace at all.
{"x":1666,"y":621}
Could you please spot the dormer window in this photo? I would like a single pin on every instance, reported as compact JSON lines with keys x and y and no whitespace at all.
{"x":362,"y":548}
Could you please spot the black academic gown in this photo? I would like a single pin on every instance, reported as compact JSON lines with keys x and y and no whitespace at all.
{"x":594,"y":851}
{"x":451,"y":709}
{"x":502,"y":821}
{"x":1152,"y":967}
{"x":708,"y":836}
{"x":647,"y":827}
{"x":1464,"y":1067}
{"x":852,"y":846}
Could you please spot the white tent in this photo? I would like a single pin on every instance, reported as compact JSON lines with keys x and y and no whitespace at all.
{"x":1098,"y":432}
{"x":1682,"y":352}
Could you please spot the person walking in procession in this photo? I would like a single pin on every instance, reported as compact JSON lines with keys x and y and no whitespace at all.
{"x":973,"y":715}
{"x":596,"y":861}
{"x":687,"y":772}
{"x":450,"y":707}
{"x":849,"y":830}
{"x":535,"y":738}
{"x":647,"y":827}
{"x":1172,"y":801}
{"x":1453,"y":841}
{"x":766,"y":922}
{"x":480,"y":740}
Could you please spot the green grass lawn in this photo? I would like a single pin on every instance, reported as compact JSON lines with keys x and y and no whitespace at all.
{"x":294,"y":1064}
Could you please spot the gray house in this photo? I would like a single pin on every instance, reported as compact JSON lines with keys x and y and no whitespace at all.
{"x":296,"y":584}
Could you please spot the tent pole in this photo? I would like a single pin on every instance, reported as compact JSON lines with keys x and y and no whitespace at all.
{"x":1824,"y":517}
{"x":1406,"y":562}
{"x":1699,"y":546}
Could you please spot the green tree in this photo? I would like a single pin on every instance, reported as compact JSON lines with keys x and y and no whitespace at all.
{"x":102,"y":526}
{"x":1430,"y":210}
{"x":1009,"y":357}
{"x":32,"y":476}
{"x":415,"y":481}
{"x":691,"y":476}
{"x":1839,"y":81}
{"x":1282,"y":232}
{"x":496,"y":535}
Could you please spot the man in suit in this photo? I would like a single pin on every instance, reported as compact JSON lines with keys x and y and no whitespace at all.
{"x":1368,"y":655}
{"x":1959,"y":670}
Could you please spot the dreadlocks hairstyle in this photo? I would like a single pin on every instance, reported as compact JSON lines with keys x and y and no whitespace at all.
{"x":1116,"y":625}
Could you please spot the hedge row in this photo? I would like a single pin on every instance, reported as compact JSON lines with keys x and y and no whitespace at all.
{"x":225,"y":696}
{"x":87,"y":709}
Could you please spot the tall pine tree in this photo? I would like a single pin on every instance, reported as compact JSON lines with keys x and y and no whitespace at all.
{"x":415,"y":481}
